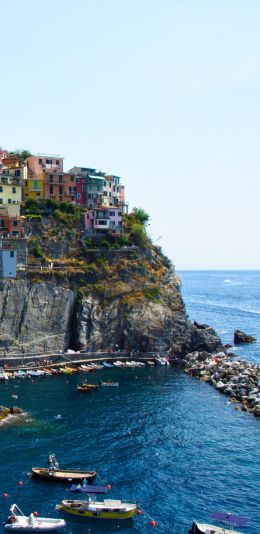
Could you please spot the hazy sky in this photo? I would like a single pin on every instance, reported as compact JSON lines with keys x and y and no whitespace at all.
{"x":165,"y":93}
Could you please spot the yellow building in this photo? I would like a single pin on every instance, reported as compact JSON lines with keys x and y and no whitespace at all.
{"x":10,"y":190}
{"x":34,"y":187}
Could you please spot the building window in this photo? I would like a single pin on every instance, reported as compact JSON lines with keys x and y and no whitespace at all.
{"x":57,"y":161}
{"x":60,"y":190}
{"x":1,"y":201}
{"x":9,"y":201}
{"x":83,"y":188}
{"x":72,"y":178}
{"x":60,"y":179}
{"x":11,"y":253}
{"x":40,"y":161}
{"x":78,"y":196}
{"x":112,"y":213}
{"x":17,"y":172}
{"x":1,"y":188}
{"x":51,"y":178}
{"x":51,"y":189}
{"x":35,"y":184}
{"x":13,"y":190}
{"x":15,"y":223}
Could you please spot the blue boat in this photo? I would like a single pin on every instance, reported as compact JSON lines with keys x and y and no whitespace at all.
{"x":88,"y":488}
{"x":107,"y":364}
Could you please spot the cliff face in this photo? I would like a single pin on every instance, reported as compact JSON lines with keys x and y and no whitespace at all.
{"x":35,"y":317}
{"x":132,"y":299}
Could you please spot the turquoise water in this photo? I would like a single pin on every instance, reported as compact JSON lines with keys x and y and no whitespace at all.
{"x":162,"y":437}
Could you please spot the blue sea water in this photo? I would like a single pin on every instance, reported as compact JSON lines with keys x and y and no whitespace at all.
{"x":227,"y":300}
{"x":162,"y":437}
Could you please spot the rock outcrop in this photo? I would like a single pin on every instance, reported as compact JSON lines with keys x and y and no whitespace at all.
{"x":238,"y":379}
{"x":6,"y":412}
{"x":241,"y":337}
{"x":130,"y":300}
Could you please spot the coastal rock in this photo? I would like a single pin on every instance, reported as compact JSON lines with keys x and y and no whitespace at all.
{"x":241,"y":337}
{"x":5,"y":412}
{"x":237,"y":379}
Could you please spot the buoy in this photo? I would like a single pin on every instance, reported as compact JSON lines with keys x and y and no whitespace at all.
{"x":108,"y":487}
{"x":139,"y":512}
{"x":5,"y":495}
{"x":153,"y":523}
{"x":20,"y":483}
{"x":35,"y":514}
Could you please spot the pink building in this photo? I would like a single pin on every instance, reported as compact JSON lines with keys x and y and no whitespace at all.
{"x":3,"y":154}
{"x":42,"y":163}
{"x":103,"y":219}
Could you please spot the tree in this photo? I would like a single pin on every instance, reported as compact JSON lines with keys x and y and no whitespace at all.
{"x":21,"y":153}
{"x":141,"y":216}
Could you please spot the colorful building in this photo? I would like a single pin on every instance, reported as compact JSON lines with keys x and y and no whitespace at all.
{"x":3,"y":154}
{"x":40,"y":168}
{"x":101,"y":220}
{"x":11,"y":222}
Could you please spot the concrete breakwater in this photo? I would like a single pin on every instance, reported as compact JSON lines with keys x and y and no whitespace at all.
{"x":240,"y":380}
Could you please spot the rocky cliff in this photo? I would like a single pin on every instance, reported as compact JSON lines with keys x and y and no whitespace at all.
{"x":129,"y":297}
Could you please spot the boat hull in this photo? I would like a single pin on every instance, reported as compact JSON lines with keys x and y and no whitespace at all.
{"x":59,"y":475}
{"x":98,"y":514}
{"x":203,"y":528}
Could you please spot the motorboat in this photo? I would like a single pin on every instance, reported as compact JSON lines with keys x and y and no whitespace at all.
{"x":3,"y":375}
{"x":18,"y":522}
{"x":119,"y":364}
{"x":227,"y":519}
{"x":150,"y":362}
{"x":107,"y":364}
{"x":107,"y":509}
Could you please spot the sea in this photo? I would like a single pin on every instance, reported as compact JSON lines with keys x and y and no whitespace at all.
{"x":163,"y":438}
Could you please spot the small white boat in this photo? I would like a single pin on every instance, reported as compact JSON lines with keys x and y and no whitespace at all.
{"x":222,"y":517}
{"x":131,"y":365}
{"x":18,"y":522}
{"x":150,"y":362}
{"x":119,"y":364}
{"x":111,"y":384}
{"x":4,"y":375}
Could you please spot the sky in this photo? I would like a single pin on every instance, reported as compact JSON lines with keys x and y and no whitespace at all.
{"x":164,"y":93}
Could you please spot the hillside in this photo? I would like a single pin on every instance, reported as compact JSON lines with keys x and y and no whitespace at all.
{"x":93,"y":294}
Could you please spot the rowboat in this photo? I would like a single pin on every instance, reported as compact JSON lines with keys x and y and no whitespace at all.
{"x":18,"y":522}
{"x":229,"y":519}
{"x":112,"y":384}
{"x":62,"y":475}
{"x":84,"y":389}
{"x":107,"y":509}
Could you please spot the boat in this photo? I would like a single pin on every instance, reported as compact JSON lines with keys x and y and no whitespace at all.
{"x":62,"y":475}
{"x":88,"y":488}
{"x":87,"y":368}
{"x":112,"y":384}
{"x":119,"y":364}
{"x":84,"y":389}
{"x":150,"y":362}
{"x":107,"y":509}
{"x":18,"y":522}
{"x":107,"y":364}
{"x":3,"y":375}
{"x":223,"y":517}
{"x":161,"y":361}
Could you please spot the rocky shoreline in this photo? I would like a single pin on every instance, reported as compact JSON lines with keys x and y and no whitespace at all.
{"x":7,"y":413}
{"x":239,"y":380}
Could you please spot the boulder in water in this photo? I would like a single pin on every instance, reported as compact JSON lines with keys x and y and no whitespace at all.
{"x":241,"y":337}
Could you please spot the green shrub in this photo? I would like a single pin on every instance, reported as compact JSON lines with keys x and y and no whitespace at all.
{"x":37,"y":251}
{"x":152,"y":293}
